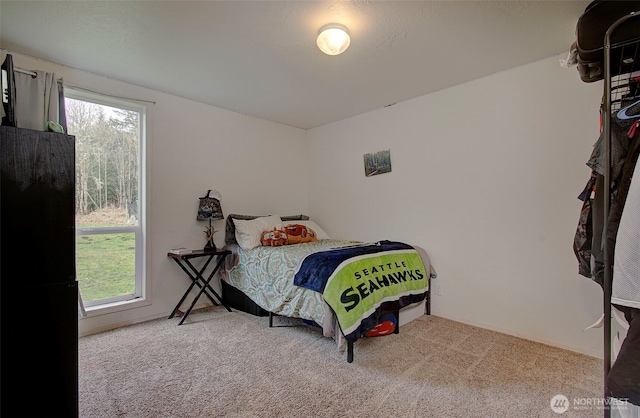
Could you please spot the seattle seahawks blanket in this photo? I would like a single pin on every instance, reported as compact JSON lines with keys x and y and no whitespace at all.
{"x":356,"y":281}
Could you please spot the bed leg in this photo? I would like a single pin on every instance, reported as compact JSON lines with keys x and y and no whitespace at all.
{"x":428,"y":312}
{"x":270,"y":320}
{"x":349,"y":352}
{"x":396,"y":329}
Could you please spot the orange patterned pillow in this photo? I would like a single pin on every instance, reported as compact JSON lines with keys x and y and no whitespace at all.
{"x":299,"y":233}
{"x":273,"y":238}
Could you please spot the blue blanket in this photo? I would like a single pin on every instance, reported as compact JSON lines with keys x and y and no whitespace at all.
{"x":315,"y":269}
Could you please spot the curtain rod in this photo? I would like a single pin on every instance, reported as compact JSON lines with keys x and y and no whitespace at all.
{"x":73,"y":86}
{"x":27,"y":72}
{"x":34,"y":74}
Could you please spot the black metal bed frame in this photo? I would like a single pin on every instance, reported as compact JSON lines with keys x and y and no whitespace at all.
{"x":396,"y":313}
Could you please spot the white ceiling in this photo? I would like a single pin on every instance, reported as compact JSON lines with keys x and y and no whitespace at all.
{"x":260,"y":58}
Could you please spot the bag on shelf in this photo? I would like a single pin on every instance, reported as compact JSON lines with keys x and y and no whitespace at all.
{"x":590,"y":32}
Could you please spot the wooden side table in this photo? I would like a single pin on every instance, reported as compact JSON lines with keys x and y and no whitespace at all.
{"x":197,"y":278}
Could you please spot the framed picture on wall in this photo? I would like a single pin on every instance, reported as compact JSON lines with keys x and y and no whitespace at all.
{"x":377,"y":163}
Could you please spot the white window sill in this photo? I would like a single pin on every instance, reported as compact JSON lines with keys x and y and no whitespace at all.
{"x":113,"y":307}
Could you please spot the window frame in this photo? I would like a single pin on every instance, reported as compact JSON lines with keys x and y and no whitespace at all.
{"x":141,"y":295}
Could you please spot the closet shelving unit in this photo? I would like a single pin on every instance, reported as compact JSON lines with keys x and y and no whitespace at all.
{"x":622,"y":65}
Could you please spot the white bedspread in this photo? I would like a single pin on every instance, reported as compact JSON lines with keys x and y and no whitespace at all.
{"x":265,"y":274}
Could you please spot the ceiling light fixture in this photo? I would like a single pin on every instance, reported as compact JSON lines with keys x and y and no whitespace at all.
{"x":333,"y":38}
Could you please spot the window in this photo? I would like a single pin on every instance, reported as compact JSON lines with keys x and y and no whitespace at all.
{"x":109,"y":197}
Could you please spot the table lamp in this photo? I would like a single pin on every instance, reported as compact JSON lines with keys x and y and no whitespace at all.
{"x":208,"y":209}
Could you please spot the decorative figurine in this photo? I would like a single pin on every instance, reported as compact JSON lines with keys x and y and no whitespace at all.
{"x":210,"y":245}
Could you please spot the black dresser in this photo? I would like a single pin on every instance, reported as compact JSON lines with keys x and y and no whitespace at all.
{"x":38,"y":288}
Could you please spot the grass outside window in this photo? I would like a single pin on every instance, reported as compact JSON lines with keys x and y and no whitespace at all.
{"x":105,"y":263}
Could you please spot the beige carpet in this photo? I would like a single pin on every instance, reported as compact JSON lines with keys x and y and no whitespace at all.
{"x":221,"y":364}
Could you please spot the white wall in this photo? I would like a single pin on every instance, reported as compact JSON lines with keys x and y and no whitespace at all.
{"x":485,"y":176}
{"x":193,"y":147}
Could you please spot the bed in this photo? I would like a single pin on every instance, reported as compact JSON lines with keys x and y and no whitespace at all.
{"x":289,"y":266}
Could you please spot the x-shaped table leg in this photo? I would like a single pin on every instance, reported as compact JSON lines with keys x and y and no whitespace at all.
{"x":197,"y":279}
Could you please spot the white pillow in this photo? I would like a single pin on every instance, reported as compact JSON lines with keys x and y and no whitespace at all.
{"x":248,"y":232}
{"x":320,"y":234}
